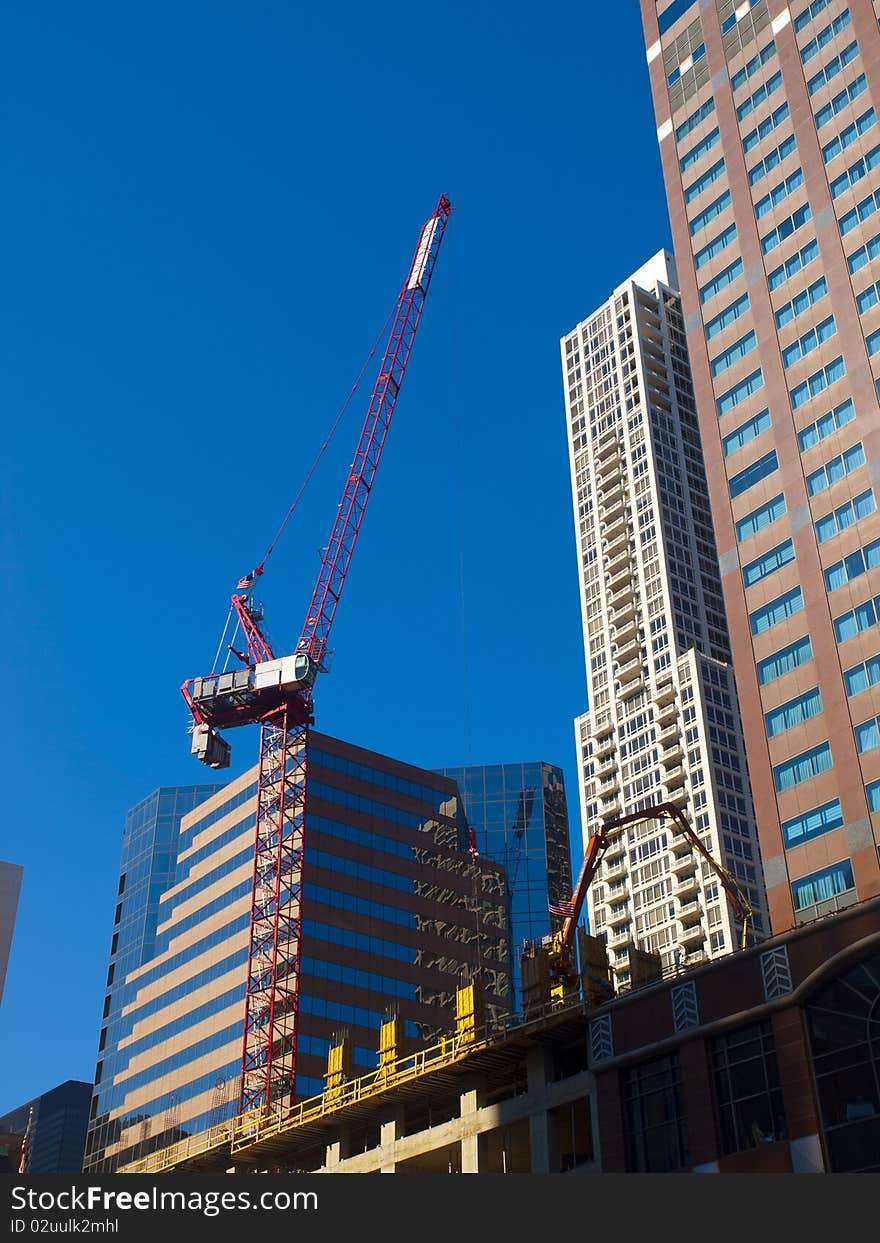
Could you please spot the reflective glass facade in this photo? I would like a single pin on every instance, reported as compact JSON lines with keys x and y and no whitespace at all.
{"x":395,"y":912}
{"x":520,"y":817}
{"x":55,"y":1126}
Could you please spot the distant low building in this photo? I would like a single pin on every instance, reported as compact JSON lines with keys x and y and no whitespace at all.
{"x":52,"y":1128}
{"x":10,"y":886}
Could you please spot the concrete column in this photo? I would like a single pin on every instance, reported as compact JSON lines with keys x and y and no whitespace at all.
{"x":390,"y":1132}
{"x":474,"y":1146}
{"x":337,"y":1152}
{"x":543,"y":1139}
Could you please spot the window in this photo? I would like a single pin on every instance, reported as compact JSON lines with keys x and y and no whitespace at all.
{"x":860,"y":677}
{"x":785,"y":228}
{"x":836,"y":469}
{"x":873,"y":793}
{"x":733,"y":354}
{"x":654,"y":1129}
{"x":812,"y":823}
{"x":843,"y":517}
{"x":867,"y":735}
{"x":696,"y":153}
{"x":801,"y":302}
{"x":760,"y":518}
{"x":746,"y":432}
{"x":752,"y":66}
{"x":745,"y":1076}
{"x":828,"y":424}
{"x":803,"y":767}
{"x":872,"y":344}
{"x":862,"y":211}
{"x":795,"y":712}
{"x":863,"y":255}
{"x":868,"y":298}
{"x":769,"y":614}
{"x":670,"y":16}
{"x":753,"y":474}
{"x":806,"y":15}
{"x":862,"y":617}
{"x":799,"y":260}
{"x":715,"y":247}
{"x":768,"y":564}
{"x":728,"y":316}
{"x":825,"y":36}
{"x":833,"y":68}
{"x":766,"y":127}
{"x":686,"y":65}
{"x":783,"y":661}
{"x":772,"y":158}
{"x":843,"y":1021}
{"x":853,"y":566}
{"x":721,"y":281}
{"x":817,"y":383}
{"x":766,"y":89}
{"x":779,"y":193}
{"x":696,"y":188}
{"x":731,"y":399}
{"x":689,"y":124}
{"x":840,"y":101}
{"x":848,"y":136}
{"x":810,"y":341}
{"x":710,"y":213}
{"x":819,"y":886}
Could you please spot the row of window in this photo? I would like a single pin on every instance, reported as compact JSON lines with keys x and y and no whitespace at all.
{"x":809,"y":341}
{"x":835,"y":469}
{"x":833,"y":68}
{"x":793,"y":713}
{"x":779,"y":193}
{"x":825,"y":36}
{"x":760,"y":518}
{"x":845,"y":516}
{"x":817,"y":383}
{"x":738,"y":350}
{"x":801,"y":302}
{"x":762,"y":567}
{"x":863,"y":210}
{"x":853,"y":566}
{"x":772,"y":158}
{"x":849,"y":135}
{"x":841,"y":100}
{"x":786,"y":227}
{"x":746,"y":432}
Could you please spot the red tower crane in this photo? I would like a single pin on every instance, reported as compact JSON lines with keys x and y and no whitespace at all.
{"x":277,"y":693}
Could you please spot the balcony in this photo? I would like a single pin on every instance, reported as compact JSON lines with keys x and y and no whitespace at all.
{"x":623,"y":613}
{"x":618,"y":915}
{"x":692,"y":936}
{"x":603,"y":749}
{"x":673,"y":778}
{"x":618,"y":563}
{"x":632,"y":669}
{"x":670,"y":735}
{"x":607,"y":443}
{"x":601,"y":726}
{"x":688,"y":913}
{"x":679,"y":798}
{"x":687,"y":885}
{"x":620,"y":936}
{"x":608,"y":786}
{"x":617,"y":849}
{"x":613,"y":507}
{"x":609,"y":474}
{"x":613,"y":527}
{"x":635,"y":687}
{"x":626,"y":630}
{"x":618,"y":542}
{"x":684,"y":865}
{"x":665,"y":692}
{"x":621,"y":576}
{"x":667,"y":712}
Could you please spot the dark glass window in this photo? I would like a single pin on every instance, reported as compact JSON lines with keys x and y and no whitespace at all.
{"x":654,"y":1129}
{"x":843,"y":1021}
{"x":748,"y":1094}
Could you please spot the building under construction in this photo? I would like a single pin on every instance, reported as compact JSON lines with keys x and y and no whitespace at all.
{"x":761,"y":1061}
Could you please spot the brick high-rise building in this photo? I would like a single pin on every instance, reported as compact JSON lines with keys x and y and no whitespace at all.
{"x":770,"y":144}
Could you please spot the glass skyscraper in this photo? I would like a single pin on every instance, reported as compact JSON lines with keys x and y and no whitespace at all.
{"x":53,"y":1127}
{"x":396,"y":914}
{"x":520,"y":817}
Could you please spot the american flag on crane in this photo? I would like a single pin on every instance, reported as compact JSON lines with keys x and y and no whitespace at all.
{"x":562,"y":910}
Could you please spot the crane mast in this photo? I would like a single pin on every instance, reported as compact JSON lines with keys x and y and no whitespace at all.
{"x":277,"y":693}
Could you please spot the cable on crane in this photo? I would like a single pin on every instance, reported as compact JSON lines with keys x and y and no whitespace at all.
{"x":222,"y":637}
{"x":247,"y":581}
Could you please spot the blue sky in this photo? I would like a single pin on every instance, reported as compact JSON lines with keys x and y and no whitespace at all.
{"x":208,"y":212}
